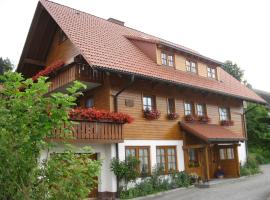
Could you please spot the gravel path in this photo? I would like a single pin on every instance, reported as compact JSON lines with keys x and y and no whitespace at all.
{"x":251,"y":188}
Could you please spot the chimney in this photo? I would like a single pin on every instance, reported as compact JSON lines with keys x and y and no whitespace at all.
{"x":116,"y":21}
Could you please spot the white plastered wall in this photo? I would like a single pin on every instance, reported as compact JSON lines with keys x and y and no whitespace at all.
{"x":105,"y":152}
{"x":153,"y":144}
{"x":242,"y":154}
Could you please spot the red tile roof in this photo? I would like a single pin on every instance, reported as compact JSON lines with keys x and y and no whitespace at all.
{"x":107,"y":45}
{"x":211,"y":132}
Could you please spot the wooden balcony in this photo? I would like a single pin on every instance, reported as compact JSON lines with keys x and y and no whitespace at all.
{"x":93,"y":132}
{"x":63,"y":78}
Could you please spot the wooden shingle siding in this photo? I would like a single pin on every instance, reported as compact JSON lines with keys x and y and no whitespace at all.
{"x":163,"y":128}
{"x":64,"y":51}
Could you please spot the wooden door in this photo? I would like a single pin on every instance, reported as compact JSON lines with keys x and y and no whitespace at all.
{"x":94,"y":192}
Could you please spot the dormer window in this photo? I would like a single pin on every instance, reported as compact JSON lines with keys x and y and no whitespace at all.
{"x":167,"y":59}
{"x":191,"y":66}
{"x":211,"y":72}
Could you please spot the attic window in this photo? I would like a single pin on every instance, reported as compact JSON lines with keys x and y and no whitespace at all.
{"x":62,"y":37}
{"x":167,"y":59}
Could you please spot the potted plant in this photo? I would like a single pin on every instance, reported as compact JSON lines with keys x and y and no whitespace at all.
{"x":172,"y":116}
{"x":219,"y":173}
{"x":151,"y":114}
{"x":226,"y":123}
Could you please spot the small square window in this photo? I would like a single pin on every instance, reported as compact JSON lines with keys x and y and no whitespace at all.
{"x":224,"y":114}
{"x":211,"y":72}
{"x":89,"y":103}
{"x":171,"y":105}
{"x":191,"y":66}
{"x":148,"y":103}
{"x":201,"y":109}
{"x":167,"y":59}
{"x":188,"y":108}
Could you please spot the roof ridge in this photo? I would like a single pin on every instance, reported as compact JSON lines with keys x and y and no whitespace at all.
{"x":161,"y":39}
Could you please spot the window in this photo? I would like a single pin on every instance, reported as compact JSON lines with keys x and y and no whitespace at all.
{"x":193,"y":158}
{"x":188,"y":108}
{"x":211,"y":72}
{"x":191,"y":66}
{"x":224,"y":114}
{"x":167,"y":59}
{"x":143,"y":155}
{"x":166,"y":158}
{"x":171,"y":105}
{"x":170,"y":60}
{"x":226,"y":153}
{"x":163,"y":58}
{"x":148,"y":103}
{"x":201,"y":109}
{"x":89,"y":103}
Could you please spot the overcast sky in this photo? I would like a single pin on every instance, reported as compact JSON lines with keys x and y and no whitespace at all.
{"x":237,"y":30}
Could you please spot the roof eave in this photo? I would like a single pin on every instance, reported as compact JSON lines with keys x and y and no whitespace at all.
{"x":182,"y":84}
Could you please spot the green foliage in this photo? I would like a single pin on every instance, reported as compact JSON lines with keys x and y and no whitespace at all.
{"x":27,"y":118}
{"x":71,"y":176}
{"x":251,"y":167}
{"x":125,"y":170}
{"x":6,"y":64}
{"x":233,"y":69}
{"x":157,"y":182}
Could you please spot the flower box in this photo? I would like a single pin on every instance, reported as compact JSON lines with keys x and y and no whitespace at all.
{"x":92,"y":114}
{"x":203,"y":119}
{"x":49,"y":69}
{"x":189,"y":118}
{"x":172,"y":116}
{"x":226,"y":123}
{"x":151,"y":114}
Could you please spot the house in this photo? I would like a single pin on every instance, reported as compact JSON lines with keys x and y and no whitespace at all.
{"x":188,"y":112}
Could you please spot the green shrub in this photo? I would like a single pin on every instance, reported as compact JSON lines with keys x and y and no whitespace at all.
{"x":251,"y":167}
{"x":157,"y":182}
{"x":181,"y":179}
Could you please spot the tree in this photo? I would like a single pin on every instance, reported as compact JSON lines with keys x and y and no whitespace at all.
{"x":27,"y":119}
{"x":234,"y":70}
{"x":5,"y":64}
{"x":257,"y":126}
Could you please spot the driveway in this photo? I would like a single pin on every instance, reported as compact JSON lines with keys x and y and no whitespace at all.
{"x":252,"y":188}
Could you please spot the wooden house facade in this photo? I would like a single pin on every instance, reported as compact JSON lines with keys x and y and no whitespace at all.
{"x":188,"y":112}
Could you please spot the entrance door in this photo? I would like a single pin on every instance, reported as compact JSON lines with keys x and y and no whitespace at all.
{"x":228,"y":161}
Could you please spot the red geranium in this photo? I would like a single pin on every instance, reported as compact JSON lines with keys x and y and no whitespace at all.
{"x":173,"y":116}
{"x":49,"y":69}
{"x":151,"y":114}
{"x":92,"y":114}
{"x":189,"y":118}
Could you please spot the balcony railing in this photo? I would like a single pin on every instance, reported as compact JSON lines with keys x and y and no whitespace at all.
{"x":84,"y":73}
{"x":92,"y":132}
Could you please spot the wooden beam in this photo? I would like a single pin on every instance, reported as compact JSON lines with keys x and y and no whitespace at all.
{"x":33,"y":62}
{"x":195,"y":146}
{"x":207,"y":163}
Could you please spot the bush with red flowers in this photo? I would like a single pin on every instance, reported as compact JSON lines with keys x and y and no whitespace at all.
{"x":173,"y":116}
{"x":203,"y":119}
{"x":189,"y":118}
{"x":151,"y":114}
{"x":92,"y":114}
{"x":49,"y":69}
{"x":226,"y":123}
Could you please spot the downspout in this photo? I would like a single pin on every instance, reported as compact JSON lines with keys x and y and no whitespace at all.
{"x":115,"y":104}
